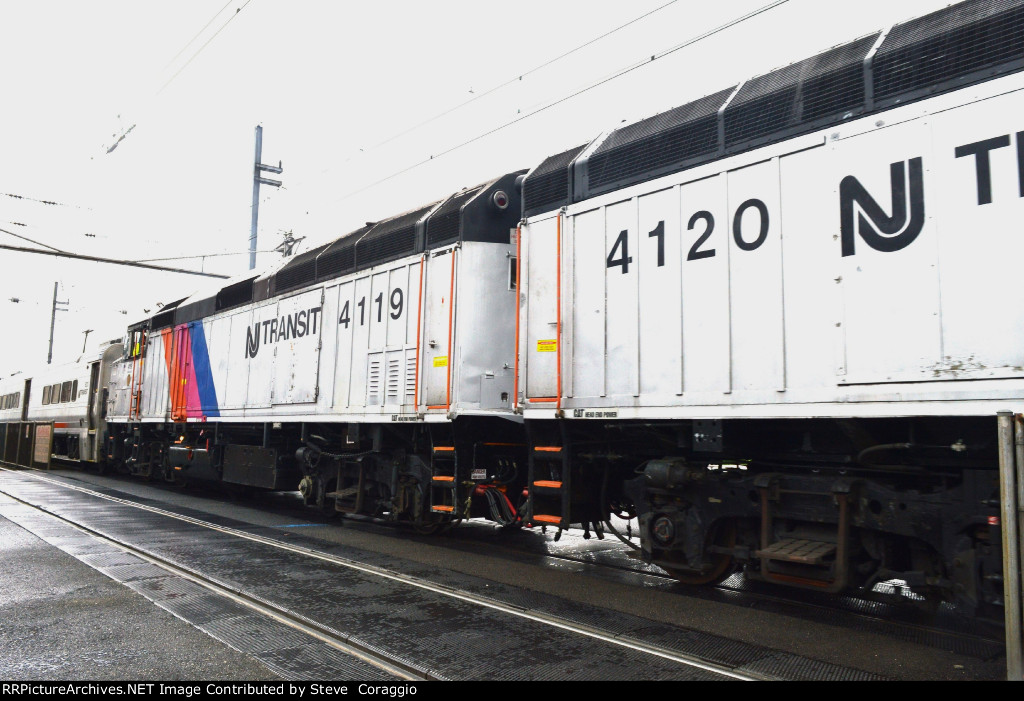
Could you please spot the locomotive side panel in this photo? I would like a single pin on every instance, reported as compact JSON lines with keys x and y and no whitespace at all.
{"x":811,"y":275}
{"x":484,"y":328}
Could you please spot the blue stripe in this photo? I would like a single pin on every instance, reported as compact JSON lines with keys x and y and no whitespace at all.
{"x":204,"y":374}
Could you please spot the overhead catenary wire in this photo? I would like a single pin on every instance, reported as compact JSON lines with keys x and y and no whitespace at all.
{"x":48,"y":202}
{"x":26,"y":238}
{"x":576,"y":93}
{"x":511,"y":81}
{"x":201,"y":48}
{"x":191,"y":58}
{"x":112,"y":261}
{"x":197,"y":34}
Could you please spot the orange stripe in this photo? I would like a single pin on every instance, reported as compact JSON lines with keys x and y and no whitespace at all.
{"x":547,"y":483}
{"x":558,"y":297}
{"x":419,"y":319}
{"x":519,"y":273}
{"x":451,"y":309}
{"x":437,"y":406}
{"x":542,"y":399}
{"x":439,"y":448}
{"x":548,"y":519}
{"x":60,"y":425}
{"x":442,"y":478}
{"x":549,"y":448}
{"x":443,"y":508}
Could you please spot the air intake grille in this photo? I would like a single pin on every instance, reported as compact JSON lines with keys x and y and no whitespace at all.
{"x":299,"y":271}
{"x":942,"y":50}
{"x":657,"y":145}
{"x":340,"y":257}
{"x":390,"y":239}
{"x":443,"y":225}
{"x":826,"y":88}
{"x":547,"y":187}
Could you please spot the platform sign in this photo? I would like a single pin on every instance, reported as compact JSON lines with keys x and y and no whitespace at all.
{"x":42,"y":445}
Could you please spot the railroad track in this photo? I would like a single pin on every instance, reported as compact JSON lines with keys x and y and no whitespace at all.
{"x":884,"y":617}
{"x":394,"y":665}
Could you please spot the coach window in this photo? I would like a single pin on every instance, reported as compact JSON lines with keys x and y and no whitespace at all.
{"x":55,"y":393}
{"x":65,"y":391}
{"x":46,"y":395}
{"x":74,"y":391}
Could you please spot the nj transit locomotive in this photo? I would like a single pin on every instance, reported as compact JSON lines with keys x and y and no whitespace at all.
{"x":775,"y":324}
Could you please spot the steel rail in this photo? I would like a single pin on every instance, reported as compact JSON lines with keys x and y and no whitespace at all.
{"x":409,"y":580}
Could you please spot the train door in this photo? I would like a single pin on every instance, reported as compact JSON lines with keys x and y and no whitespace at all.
{"x":435,"y":360}
{"x":24,"y":405}
{"x":542,"y":247}
{"x":92,"y":413}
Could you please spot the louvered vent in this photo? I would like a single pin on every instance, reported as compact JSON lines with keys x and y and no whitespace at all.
{"x":390,"y":239}
{"x":410,"y":377}
{"x":394,"y":381}
{"x":443,"y":225}
{"x":658,"y":145}
{"x":949,"y":48}
{"x":547,"y":186}
{"x":820,"y":90}
{"x":373,"y":380}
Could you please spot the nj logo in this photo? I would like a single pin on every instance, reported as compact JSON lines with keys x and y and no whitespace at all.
{"x":879,"y":230}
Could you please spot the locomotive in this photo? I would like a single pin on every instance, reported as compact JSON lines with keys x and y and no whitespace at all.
{"x":774,"y":324}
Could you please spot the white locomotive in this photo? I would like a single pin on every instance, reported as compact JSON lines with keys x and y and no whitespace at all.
{"x":776,"y":324}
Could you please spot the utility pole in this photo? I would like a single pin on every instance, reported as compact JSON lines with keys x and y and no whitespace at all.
{"x":53,"y":319}
{"x":86,"y":339}
{"x":256,"y":180}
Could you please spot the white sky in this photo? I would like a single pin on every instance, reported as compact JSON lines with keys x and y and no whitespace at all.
{"x":329,"y":81}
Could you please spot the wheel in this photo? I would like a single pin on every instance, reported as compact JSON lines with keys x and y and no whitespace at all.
{"x":722,"y":563}
{"x":427,"y":528}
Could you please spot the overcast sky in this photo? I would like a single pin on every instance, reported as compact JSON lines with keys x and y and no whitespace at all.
{"x":347,"y":94}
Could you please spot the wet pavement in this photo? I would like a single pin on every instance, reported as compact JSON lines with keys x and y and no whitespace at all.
{"x":63,"y":620}
{"x":730,"y":629}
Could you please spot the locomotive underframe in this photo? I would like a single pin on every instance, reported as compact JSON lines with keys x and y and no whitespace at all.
{"x":828,"y":505}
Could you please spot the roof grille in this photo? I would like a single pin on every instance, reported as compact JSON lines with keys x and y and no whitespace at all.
{"x":339,"y":257}
{"x":822,"y":89}
{"x":443,"y":225}
{"x":657,"y":145}
{"x":390,"y":239}
{"x":952,"y":47}
{"x":299,"y":271}
{"x":547,"y":187}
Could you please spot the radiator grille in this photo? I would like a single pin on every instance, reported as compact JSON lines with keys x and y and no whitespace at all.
{"x":339,"y":257}
{"x":657,"y":145}
{"x":390,"y":239}
{"x":443,"y":225}
{"x":299,"y":271}
{"x":949,"y":48}
{"x":825,"y":88}
{"x":547,"y":187}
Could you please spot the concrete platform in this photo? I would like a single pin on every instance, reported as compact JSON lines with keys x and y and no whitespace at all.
{"x":63,"y":620}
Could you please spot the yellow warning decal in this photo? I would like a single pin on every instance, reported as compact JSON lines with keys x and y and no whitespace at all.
{"x":547,"y":346}
{"x":441,"y":361}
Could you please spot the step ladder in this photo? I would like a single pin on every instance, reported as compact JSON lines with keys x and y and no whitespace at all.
{"x":812,"y":564}
{"x":340,"y":495}
{"x":549,"y":477}
{"x":444,"y":481}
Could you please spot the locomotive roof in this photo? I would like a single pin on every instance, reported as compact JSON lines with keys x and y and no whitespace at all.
{"x":956,"y":46}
